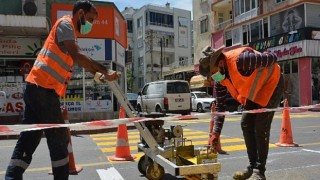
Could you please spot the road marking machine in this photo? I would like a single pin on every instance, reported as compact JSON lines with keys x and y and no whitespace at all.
{"x":167,"y":149}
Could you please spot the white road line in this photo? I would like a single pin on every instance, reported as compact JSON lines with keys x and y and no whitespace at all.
{"x":309,"y":150}
{"x":109,"y":174}
{"x":270,"y":154}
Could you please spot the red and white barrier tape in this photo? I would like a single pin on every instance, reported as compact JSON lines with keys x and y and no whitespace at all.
{"x":7,"y":129}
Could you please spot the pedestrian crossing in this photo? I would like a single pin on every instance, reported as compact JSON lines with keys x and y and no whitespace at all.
{"x":107,"y":142}
{"x":277,"y":116}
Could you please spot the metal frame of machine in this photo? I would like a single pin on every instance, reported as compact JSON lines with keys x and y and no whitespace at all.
{"x":168,"y":152}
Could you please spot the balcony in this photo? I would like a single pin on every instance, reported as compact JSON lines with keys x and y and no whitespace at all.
{"x":223,"y":25}
{"x":23,"y":25}
{"x":246,"y":16}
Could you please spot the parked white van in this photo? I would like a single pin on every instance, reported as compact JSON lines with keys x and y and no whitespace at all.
{"x":168,"y":96}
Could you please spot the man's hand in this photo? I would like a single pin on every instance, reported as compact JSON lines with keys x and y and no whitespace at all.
{"x":107,"y":75}
{"x":111,"y":75}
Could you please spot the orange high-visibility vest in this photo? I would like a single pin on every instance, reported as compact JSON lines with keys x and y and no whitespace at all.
{"x":52,"y":68}
{"x":258,"y":87}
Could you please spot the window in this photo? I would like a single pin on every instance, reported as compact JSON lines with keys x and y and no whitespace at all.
{"x":279,"y":1}
{"x":228,"y":38}
{"x":183,"y":22}
{"x":243,"y":6}
{"x":245,"y":34}
{"x":255,"y":31}
{"x":159,"y":19}
{"x":183,"y":61}
{"x":129,"y":23}
{"x":183,"y":37}
{"x":204,"y":25}
{"x":265,"y":28}
{"x":220,"y":18}
{"x":139,"y":22}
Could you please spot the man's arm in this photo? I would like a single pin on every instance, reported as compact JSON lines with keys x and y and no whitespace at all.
{"x":248,"y":60}
{"x":86,"y":62}
{"x":221,"y":93}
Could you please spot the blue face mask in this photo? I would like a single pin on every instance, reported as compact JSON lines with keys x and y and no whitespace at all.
{"x":218,"y":76}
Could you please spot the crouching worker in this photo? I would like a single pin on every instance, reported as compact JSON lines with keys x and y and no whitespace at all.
{"x":254,"y":79}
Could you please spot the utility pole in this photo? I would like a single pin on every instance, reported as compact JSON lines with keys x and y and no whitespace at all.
{"x":151,"y":49}
{"x":161,"y":61}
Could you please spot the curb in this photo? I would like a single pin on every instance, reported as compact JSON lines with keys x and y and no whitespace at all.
{"x":74,"y":132}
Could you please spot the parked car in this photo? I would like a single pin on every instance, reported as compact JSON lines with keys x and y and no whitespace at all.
{"x":201,"y":101}
{"x":132,"y":98}
{"x":168,"y":96}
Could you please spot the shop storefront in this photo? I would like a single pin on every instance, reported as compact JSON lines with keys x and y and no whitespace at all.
{"x":85,"y":100}
{"x":17,"y":55}
{"x":298,"y":55}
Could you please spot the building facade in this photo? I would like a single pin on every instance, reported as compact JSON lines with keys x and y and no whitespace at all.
{"x":289,"y":28}
{"x":24,"y":27}
{"x":161,"y":42}
{"x":203,"y":21}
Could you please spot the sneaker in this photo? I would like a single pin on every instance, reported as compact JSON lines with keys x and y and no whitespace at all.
{"x":244,"y":174}
{"x":256,"y":175}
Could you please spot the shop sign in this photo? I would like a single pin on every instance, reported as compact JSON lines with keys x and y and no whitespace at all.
{"x":14,"y":98}
{"x":90,"y":106}
{"x":73,"y":106}
{"x":292,"y":51}
{"x":20,"y":47}
{"x":120,"y":59}
{"x":289,"y":51}
{"x":94,"y":48}
{"x":98,"y":105}
{"x":278,"y":40}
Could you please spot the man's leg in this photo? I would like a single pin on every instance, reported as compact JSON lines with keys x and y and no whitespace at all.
{"x":248,"y":130}
{"x":57,"y":138}
{"x":263,"y":125}
{"x":27,"y":142}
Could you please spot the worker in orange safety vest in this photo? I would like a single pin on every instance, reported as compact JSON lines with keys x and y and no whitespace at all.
{"x":254,"y":79}
{"x":47,"y":81}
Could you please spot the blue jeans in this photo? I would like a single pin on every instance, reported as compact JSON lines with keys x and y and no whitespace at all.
{"x":42,"y":106}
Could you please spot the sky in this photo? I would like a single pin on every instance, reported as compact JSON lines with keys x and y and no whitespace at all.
{"x":181,"y":4}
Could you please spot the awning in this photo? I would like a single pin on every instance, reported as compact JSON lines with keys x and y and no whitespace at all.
{"x":199,"y":81}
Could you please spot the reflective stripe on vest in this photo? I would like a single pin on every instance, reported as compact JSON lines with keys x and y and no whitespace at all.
{"x":61,"y":162}
{"x":50,"y":71}
{"x":56,"y":58}
{"x":18,"y":163}
{"x":257,"y":78}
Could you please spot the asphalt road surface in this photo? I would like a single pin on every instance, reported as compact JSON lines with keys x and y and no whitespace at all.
{"x":92,"y":152}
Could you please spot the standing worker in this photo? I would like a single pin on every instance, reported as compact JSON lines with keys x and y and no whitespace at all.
{"x":254,"y":79}
{"x":46,"y":82}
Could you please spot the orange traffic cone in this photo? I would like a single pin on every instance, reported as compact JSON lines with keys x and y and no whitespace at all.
{"x":286,"y":139}
{"x":122,"y":148}
{"x":73,"y":169}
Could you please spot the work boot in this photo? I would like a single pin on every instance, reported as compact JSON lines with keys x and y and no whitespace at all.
{"x":244,"y":174}
{"x":219,"y":149}
{"x":256,"y":175}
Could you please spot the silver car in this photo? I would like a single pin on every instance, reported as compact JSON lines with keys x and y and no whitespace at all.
{"x":201,"y":101}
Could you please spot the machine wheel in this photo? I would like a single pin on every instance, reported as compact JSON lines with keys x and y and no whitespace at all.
{"x":158,"y":109}
{"x":155,"y":174}
{"x":143,"y":164}
{"x":199,"y":108}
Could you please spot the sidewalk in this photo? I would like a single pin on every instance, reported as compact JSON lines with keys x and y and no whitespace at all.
{"x":75,"y":131}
